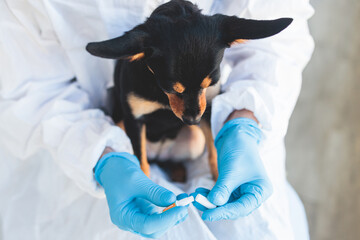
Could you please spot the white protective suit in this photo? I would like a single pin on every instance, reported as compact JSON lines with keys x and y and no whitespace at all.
{"x":52,"y":130}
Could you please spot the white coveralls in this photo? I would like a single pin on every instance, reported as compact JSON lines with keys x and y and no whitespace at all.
{"x":52,"y":130}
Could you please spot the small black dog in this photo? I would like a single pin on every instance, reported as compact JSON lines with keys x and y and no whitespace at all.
{"x":165,"y":66}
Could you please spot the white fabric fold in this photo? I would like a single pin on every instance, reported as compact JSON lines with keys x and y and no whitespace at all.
{"x":53,"y":131}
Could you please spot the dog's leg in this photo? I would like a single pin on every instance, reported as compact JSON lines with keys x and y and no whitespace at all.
{"x":137,"y":133}
{"x":143,"y":158}
{"x":212,"y":154}
{"x":121,"y":125}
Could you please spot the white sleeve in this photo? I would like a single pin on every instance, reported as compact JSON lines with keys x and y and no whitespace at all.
{"x":266,"y":74}
{"x":43,"y":107}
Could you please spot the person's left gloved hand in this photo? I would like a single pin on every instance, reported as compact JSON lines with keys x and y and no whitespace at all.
{"x":134,"y":199}
{"x":243,"y":184}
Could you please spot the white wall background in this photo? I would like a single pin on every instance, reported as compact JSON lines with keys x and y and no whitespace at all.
{"x":323,"y":142}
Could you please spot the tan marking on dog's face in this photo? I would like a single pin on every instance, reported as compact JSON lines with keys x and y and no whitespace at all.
{"x":136,"y":57}
{"x":202,"y":102}
{"x":176,"y":104}
{"x":206,"y":82}
{"x":238,"y":41}
{"x":178,"y":87}
{"x":140,"y":106}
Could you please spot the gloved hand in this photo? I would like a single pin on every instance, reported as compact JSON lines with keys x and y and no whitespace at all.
{"x":132,"y":197}
{"x":243,"y":184}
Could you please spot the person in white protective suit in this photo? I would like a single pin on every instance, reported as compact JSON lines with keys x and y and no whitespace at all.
{"x":53,"y":130}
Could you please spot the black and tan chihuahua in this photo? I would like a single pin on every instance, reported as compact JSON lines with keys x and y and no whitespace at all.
{"x":165,"y":66}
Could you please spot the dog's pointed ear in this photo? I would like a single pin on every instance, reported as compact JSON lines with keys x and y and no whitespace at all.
{"x":237,"y":30}
{"x":130,"y":46}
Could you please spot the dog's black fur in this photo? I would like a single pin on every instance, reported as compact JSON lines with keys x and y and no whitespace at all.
{"x":176,"y":45}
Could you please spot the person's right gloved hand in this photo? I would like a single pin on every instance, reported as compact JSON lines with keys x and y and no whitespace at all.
{"x":243,"y":184}
{"x":132,"y":197}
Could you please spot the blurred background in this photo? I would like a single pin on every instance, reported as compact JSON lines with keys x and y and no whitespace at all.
{"x":323,"y":141}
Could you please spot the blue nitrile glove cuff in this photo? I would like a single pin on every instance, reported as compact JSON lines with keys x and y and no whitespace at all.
{"x":122,"y":156}
{"x":245,"y":125}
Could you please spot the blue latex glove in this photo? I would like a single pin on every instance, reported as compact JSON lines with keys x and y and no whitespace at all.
{"x":243,"y":184}
{"x":133,"y":198}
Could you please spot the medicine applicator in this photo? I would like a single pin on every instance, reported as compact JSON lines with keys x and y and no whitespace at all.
{"x":179,"y":203}
{"x":199,"y":199}
{"x":204,"y":201}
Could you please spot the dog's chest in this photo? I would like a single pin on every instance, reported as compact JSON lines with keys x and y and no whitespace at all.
{"x":141,"y":106}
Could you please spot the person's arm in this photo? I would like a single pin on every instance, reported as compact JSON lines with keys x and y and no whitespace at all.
{"x":266,"y":74}
{"x":42,"y":107}
{"x":261,"y":89}
{"x":243,"y":113}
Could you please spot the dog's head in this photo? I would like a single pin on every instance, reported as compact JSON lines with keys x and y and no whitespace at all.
{"x":183,"y":49}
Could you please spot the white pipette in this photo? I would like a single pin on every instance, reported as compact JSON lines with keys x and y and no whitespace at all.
{"x":199,"y":199}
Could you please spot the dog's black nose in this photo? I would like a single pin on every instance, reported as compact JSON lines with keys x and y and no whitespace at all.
{"x":190,"y":120}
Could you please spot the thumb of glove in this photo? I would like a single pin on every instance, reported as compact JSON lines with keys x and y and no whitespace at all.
{"x":158,"y":195}
{"x":221,"y":192}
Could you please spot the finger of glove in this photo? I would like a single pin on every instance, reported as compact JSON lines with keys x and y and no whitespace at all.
{"x":156,"y":194}
{"x":181,"y":196}
{"x":202,"y":191}
{"x":242,"y":207}
{"x":146,"y":206}
{"x":159,"y":234}
{"x":221,"y":192}
{"x":199,"y":206}
{"x":260,"y":188}
{"x":150,"y":224}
